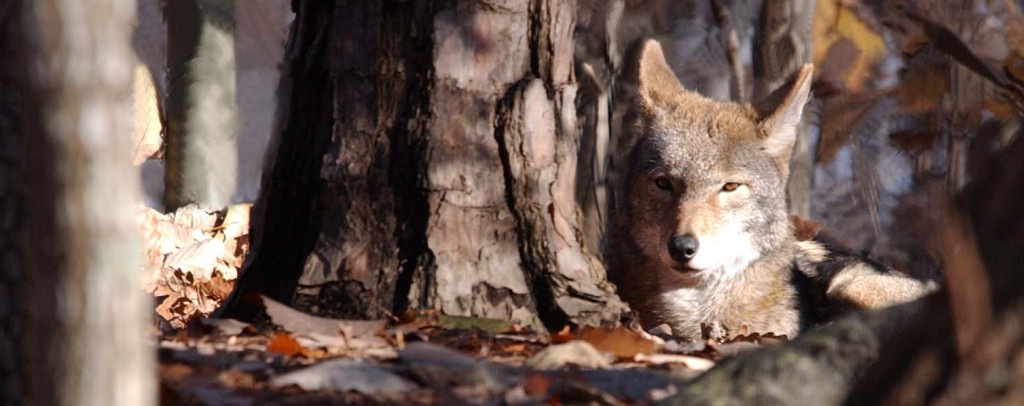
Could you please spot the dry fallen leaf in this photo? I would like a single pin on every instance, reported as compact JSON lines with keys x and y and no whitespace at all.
{"x":218,"y":288}
{"x":176,"y":236}
{"x":622,"y":342}
{"x":563,"y":336}
{"x":363,"y":344}
{"x":691,"y":362}
{"x":198,"y":259}
{"x":579,"y":353}
{"x":171,"y":309}
{"x":347,"y":375}
{"x":196,"y":218}
{"x":302,"y":323}
{"x":284,"y":344}
{"x":236,"y":221}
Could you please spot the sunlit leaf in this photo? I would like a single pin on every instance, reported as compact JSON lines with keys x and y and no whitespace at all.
{"x":284,"y":344}
{"x":622,"y":342}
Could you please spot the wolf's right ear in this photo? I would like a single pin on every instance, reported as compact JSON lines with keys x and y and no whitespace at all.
{"x":657,"y":83}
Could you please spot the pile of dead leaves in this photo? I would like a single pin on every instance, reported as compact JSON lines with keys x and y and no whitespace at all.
{"x":426,"y":358}
{"x":193,"y":256}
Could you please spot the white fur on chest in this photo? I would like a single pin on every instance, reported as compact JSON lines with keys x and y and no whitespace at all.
{"x":719,"y":302}
{"x":687,"y":307}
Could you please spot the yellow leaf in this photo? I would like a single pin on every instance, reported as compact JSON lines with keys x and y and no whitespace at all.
{"x":835,"y":24}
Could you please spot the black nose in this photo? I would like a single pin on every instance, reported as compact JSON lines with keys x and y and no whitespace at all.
{"x":683,"y":248}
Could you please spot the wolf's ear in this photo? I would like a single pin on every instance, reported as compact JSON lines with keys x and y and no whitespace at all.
{"x":657,"y":83}
{"x":781,"y":113}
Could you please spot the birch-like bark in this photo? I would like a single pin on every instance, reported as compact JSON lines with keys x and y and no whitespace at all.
{"x":71,"y":301}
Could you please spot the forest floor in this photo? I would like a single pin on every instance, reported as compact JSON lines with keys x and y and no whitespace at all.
{"x":193,"y":258}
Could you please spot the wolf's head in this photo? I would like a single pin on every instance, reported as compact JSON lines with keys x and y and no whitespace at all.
{"x":704,"y":195}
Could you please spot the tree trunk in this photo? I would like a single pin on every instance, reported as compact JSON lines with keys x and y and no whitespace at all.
{"x":429,"y":164}
{"x":202,"y":117}
{"x":72,"y":313}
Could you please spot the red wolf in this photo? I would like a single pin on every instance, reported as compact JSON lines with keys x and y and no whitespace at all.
{"x":700,"y":235}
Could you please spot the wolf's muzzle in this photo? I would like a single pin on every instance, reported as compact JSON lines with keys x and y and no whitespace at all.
{"x":683,"y":248}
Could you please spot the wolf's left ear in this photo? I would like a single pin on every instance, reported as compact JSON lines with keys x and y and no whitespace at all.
{"x":781,"y":113}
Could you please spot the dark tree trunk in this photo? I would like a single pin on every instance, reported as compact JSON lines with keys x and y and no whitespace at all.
{"x":286,"y":211}
{"x":202,"y":117}
{"x":72,"y":315}
{"x":429,"y":163}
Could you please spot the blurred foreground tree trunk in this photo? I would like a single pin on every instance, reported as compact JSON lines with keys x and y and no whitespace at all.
{"x":202,"y":116}
{"x":427,"y":159}
{"x":71,"y":309}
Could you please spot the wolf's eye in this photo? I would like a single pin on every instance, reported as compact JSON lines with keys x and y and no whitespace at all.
{"x":730,"y":186}
{"x":663,"y":183}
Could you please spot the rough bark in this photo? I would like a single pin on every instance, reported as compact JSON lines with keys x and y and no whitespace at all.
{"x":474,"y":239}
{"x":202,"y":118}
{"x":783,"y":44}
{"x":71,"y":300}
{"x":372,"y":165}
{"x":539,"y":142}
{"x":445,"y":179}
